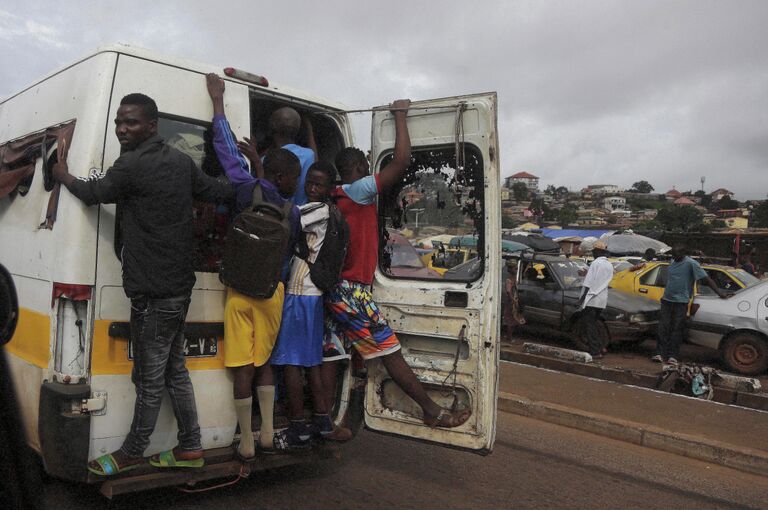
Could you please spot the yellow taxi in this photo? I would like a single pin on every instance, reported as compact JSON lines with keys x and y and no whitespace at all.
{"x":649,"y":279}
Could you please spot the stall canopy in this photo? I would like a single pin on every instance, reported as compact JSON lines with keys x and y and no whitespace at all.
{"x":537,"y":242}
{"x":633,"y":244}
{"x":554,"y":233}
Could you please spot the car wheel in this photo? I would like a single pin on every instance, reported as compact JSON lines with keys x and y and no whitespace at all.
{"x":745,"y":353}
{"x":579,"y":339}
{"x":9,"y":306}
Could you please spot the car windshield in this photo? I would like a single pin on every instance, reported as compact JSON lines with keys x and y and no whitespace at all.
{"x":568,"y":271}
{"x":745,"y":278}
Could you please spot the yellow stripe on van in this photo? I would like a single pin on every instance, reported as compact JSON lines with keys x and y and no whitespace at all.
{"x":109,"y":355}
{"x":31,"y":341}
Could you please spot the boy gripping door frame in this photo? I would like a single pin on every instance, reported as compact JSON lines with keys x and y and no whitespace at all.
{"x":449,"y":329}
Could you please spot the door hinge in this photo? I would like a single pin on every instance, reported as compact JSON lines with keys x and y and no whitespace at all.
{"x":96,"y":405}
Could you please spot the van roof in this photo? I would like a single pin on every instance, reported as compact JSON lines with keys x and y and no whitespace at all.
{"x":124,"y":49}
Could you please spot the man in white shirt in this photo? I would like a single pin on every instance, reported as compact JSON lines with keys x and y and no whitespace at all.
{"x":594,"y":298}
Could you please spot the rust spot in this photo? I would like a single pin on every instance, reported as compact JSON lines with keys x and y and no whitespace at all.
{"x":491,"y":153}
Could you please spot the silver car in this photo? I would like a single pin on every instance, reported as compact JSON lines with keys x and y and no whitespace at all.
{"x":737,"y":326}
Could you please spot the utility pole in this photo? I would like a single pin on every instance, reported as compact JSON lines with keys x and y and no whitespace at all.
{"x":703,"y":178}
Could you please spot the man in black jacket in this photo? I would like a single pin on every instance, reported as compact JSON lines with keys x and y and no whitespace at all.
{"x":154,"y":187}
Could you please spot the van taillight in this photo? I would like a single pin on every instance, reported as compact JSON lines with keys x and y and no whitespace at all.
{"x":694,"y":308}
{"x":246,"y":76}
{"x":72,"y":303}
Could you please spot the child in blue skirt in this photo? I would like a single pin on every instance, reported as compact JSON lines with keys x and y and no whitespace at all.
{"x":300,"y":341}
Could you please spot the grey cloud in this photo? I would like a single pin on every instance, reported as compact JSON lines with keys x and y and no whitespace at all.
{"x":588,"y":91}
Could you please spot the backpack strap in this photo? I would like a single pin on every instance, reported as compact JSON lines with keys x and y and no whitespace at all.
{"x":301,"y":249}
{"x":258,"y":194}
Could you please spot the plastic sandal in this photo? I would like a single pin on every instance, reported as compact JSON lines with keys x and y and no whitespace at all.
{"x":167,"y":459}
{"x":109,"y":466}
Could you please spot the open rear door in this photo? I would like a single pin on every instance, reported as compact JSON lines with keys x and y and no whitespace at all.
{"x":448,"y":324}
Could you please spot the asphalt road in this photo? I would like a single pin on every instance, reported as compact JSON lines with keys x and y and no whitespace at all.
{"x":533,"y":465}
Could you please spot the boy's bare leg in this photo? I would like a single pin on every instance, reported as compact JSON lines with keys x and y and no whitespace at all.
{"x":295,"y":389}
{"x":402,"y":374}
{"x":329,"y":372}
{"x":319,"y":397}
{"x":243,"y":378}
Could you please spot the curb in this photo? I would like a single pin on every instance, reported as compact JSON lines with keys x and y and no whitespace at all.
{"x":723,"y":395}
{"x":743,"y":459}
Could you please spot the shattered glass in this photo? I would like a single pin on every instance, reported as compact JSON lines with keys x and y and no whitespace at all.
{"x":436,"y":212}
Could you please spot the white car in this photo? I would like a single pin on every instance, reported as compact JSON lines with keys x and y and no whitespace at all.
{"x":737,"y":326}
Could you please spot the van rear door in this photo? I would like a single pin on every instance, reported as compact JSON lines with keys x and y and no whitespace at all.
{"x":448,"y":325}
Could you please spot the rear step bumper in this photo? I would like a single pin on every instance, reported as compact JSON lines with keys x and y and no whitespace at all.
{"x":219,"y":463}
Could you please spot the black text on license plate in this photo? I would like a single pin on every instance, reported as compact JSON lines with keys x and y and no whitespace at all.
{"x":194,"y":347}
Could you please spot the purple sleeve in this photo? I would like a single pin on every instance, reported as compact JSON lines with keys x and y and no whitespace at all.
{"x":234,"y":164}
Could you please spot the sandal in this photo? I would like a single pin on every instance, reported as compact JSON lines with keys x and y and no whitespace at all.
{"x":447,"y":419}
{"x":167,"y":459}
{"x":109,"y":466}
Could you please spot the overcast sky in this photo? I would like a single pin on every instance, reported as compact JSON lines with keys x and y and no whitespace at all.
{"x":589,"y":92}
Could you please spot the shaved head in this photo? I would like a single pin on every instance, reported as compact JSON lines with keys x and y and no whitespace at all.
{"x":285,"y":122}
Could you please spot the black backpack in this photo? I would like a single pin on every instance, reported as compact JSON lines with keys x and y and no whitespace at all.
{"x":257,"y":243}
{"x":325,"y":271}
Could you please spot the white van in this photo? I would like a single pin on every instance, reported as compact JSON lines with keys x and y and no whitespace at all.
{"x":70,"y":355}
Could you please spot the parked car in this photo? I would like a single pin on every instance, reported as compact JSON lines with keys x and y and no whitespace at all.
{"x":549,"y":288}
{"x":649,"y":280}
{"x":736,"y":326}
{"x":461,"y":249}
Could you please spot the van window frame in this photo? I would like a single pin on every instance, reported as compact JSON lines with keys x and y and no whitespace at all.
{"x":383,"y":210}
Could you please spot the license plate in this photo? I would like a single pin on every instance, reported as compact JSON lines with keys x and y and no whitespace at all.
{"x":194,"y":347}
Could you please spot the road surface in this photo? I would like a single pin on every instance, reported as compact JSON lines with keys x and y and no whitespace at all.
{"x":533,"y":465}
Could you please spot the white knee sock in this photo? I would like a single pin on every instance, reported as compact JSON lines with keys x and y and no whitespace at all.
{"x":243,"y":409}
{"x":266,"y":395}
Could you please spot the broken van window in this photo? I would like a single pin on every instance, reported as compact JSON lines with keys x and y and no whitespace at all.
{"x":19,"y":157}
{"x":432,"y":222}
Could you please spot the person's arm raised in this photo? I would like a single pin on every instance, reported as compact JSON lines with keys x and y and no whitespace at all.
{"x":216,"y":92}
{"x":394,"y":171}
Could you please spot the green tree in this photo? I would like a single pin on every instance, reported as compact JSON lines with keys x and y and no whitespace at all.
{"x":642,"y":187}
{"x":567,"y":215}
{"x":760,"y":215}
{"x":561,"y":192}
{"x":680,"y":219}
{"x":718,"y":224}
{"x":551,"y":190}
{"x":520,"y":191}
{"x":508,"y":222}
{"x":704,"y":199}
{"x":726,"y":203}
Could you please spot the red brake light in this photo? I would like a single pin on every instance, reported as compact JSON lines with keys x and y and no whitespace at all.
{"x":246,"y":76}
{"x":72,"y":291}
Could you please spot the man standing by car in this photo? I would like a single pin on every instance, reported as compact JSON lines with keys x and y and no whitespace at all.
{"x":154,"y":187}
{"x":682,"y":274}
{"x":594,"y":297}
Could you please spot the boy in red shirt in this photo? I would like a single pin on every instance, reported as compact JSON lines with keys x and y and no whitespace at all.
{"x":356,"y":319}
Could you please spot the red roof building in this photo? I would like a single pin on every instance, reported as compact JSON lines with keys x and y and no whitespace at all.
{"x":674,"y":193}
{"x":684,"y":201}
{"x":531,"y":181}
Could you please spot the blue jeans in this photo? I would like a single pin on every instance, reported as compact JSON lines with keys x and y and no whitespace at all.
{"x":157,"y":335}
